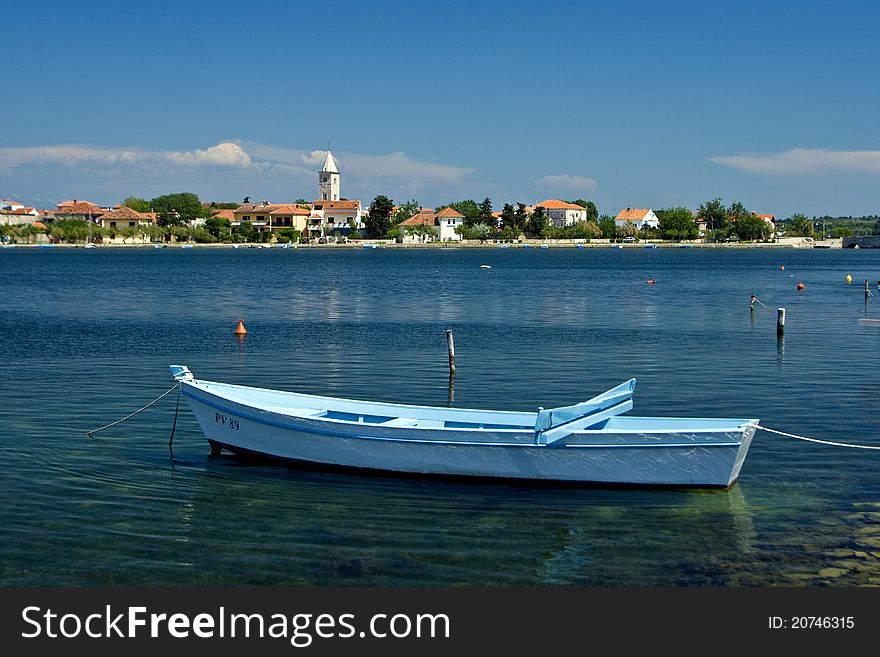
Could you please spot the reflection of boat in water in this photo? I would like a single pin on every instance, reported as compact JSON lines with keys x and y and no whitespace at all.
{"x":590,"y":442}
{"x":696,"y":536}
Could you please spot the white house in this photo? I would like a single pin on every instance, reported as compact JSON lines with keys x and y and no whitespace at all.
{"x":638,"y":217}
{"x":442,"y":224}
{"x":562,"y":213}
{"x":9,"y":204}
{"x":448,"y":220}
{"x":19,"y":216}
{"x":770,"y":220}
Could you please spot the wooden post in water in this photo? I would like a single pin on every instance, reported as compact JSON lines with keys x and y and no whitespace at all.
{"x":780,"y":322}
{"x":867,"y":291}
{"x":450,"y":343}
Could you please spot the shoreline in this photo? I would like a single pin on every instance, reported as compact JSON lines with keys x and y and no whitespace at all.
{"x":795,"y":243}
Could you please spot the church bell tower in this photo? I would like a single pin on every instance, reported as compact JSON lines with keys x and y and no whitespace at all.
{"x":328,"y":180}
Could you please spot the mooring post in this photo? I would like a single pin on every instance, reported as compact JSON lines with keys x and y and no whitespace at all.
{"x":780,"y":322}
{"x":752,"y":303}
{"x":867,"y":291}
{"x":450,"y":343}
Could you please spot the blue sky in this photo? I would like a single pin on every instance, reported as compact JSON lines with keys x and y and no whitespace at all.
{"x":648,"y":104}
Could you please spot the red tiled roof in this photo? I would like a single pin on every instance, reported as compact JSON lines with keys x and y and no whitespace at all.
{"x":555,"y":204}
{"x":224,"y":214}
{"x":632,"y":214}
{"x":125,"y":212}
{"x":290,"y":208}
{"x":79,"y":208}
{"x":338,"y":205}
{"x":77,"y":203}
{"x":420,"y":219}
{"x":450,"y":212}
{"x":771,"y":217}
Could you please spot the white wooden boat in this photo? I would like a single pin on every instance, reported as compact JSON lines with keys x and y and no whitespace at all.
{"x":591,"y":442}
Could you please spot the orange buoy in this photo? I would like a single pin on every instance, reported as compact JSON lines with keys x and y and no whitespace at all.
{"x":240,"y":329}
{"x":800,"y":286}
{"x":781,"y":267}
{"x":650,"y":281}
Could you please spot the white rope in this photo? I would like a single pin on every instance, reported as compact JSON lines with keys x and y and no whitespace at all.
{"x":757,"y":300}
{"x":142,"y":408}
{"x":815,"y":440}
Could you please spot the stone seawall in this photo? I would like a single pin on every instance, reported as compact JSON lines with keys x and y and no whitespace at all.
{"x":872,"y":242}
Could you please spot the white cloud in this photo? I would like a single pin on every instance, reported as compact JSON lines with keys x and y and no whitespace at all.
{"x":398,"y":166}
{"x":567,"y":183}
{"x":226,"y":154}
{"x":249,"y":168}
{"x":803,"y":161}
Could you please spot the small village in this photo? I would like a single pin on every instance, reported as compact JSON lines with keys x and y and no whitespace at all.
{"x":332,"y":219}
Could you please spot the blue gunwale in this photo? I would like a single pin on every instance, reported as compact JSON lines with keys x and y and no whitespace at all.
{"x":281,"y":420}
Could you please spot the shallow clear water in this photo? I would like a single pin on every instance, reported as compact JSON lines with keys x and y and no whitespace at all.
{"x":88,"y":336}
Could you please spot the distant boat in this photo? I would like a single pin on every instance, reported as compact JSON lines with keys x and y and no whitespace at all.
{"x":9,"y":246}
{"x":685,"y":246}
{"x":650,"y":246}
{"x":589,"y":442}
{"x":370,"y":246}
{"x":527,"y":246}
{"x":186,"y":246}
{"x":485,"y":266}
{"x":90,"y":245}
{"x":504,"y":246}
{"x":545,"y":246}
{"x":580,"y":246}
{"x":47,"y":246}
{"x":236,"y":246}
{"x":158,"y":246}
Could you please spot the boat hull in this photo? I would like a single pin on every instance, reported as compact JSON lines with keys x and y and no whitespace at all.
{"x":626,"y":457}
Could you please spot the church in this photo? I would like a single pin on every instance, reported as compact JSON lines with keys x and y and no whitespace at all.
{"x":331,"y":215}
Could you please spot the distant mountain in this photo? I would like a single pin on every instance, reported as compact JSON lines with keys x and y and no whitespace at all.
{"x":30,"y":201}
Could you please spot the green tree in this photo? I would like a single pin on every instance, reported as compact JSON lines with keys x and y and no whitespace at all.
{"x":538,"y":222}
{"x":752,"y":227}
{"x":585,"y":230}
{"x":378,"y":222}
{"x":177,"y":209}
{"x":677,"y":223}
{"x":508,"y":216}
{"x":798,"y":225}
{"x":715,"y":215}
{"x":246,"y":230}
{"x":130,"y":232}
{"x":590,"y":207}
{"x":137,"y":204}
{"x":218,"y":227}
{"x":608,"y":227}
{"x":627,"y":230}
{"x":520,"y":218}
{"x":468,"y":208}
{"x":486,"y":213}
{"x":405,"y":211}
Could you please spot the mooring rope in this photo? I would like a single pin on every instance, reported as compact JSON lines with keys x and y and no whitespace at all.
{"x":815,"y":440}
{"x":130,"y":415}
{"x":764,"y":305}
